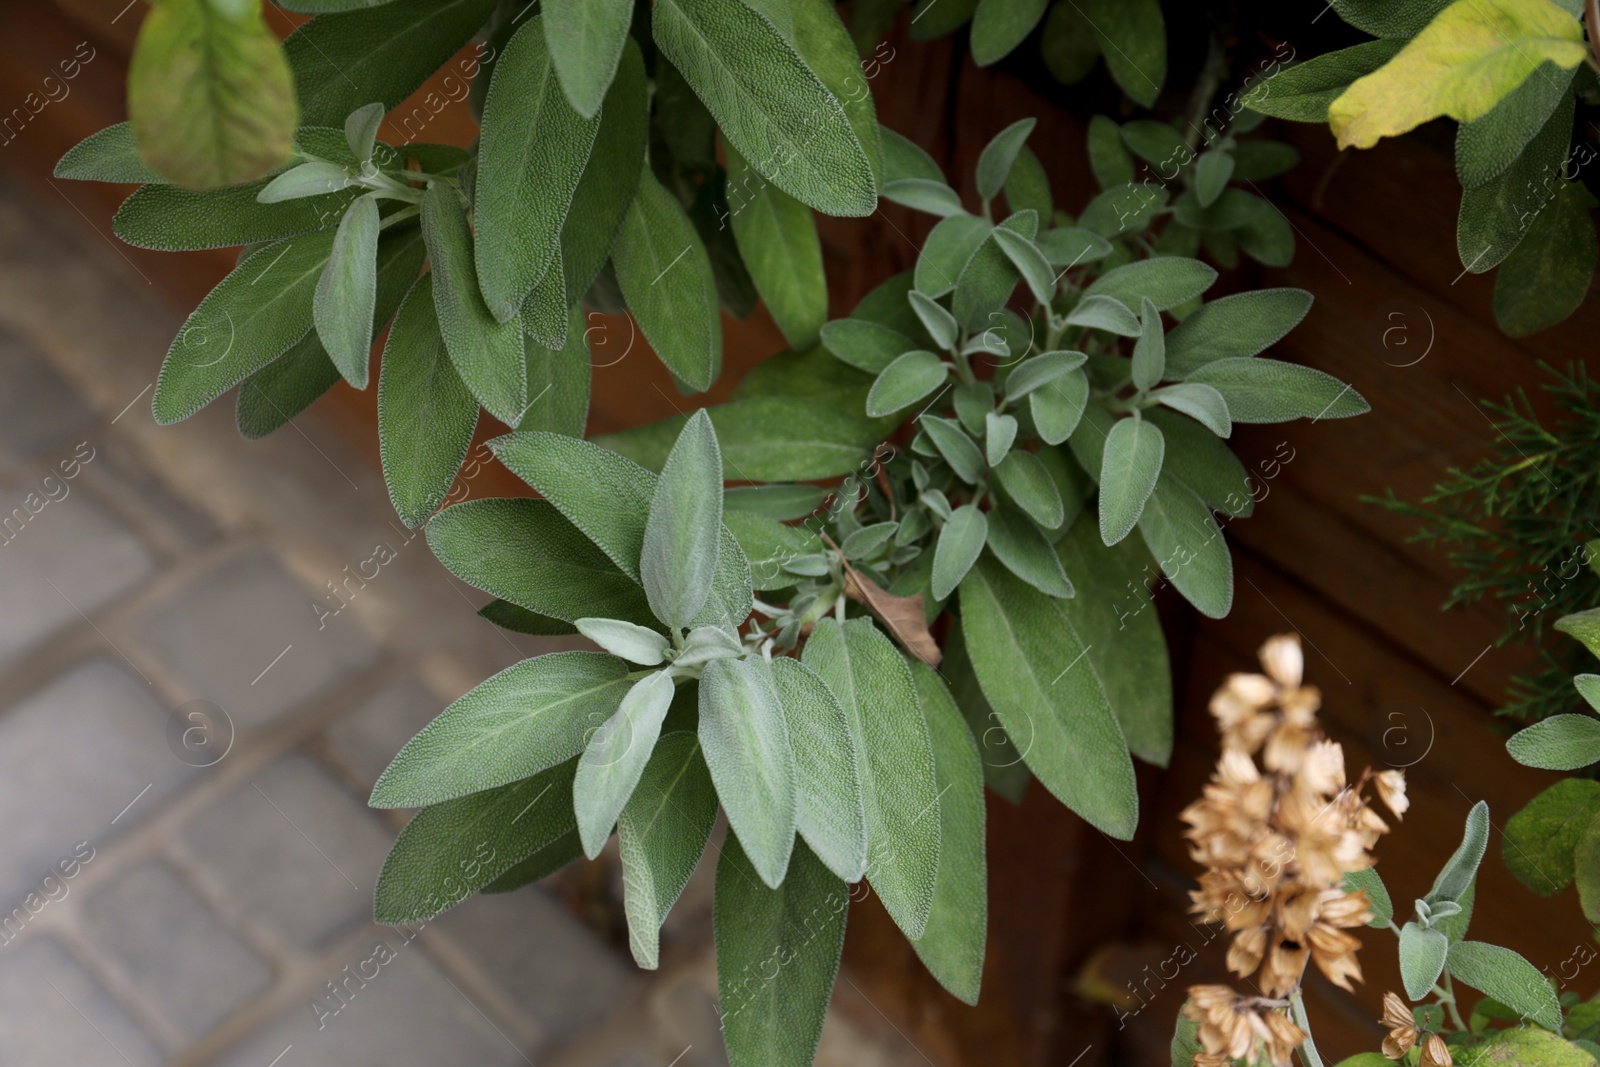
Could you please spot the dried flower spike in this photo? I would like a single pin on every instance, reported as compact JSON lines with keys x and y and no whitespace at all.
{"x":1276,"y":839}
{"x":1236,"y":1027}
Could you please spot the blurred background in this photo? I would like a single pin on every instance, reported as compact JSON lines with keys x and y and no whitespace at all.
{"x":209,"y":648}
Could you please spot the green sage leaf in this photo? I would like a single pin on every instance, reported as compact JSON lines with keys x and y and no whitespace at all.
{"x":1559,"y":743}
{"x":1508,"y":978}
{"x":586,"y":38}
{"x":1187,"y":543}
{"x":251,"y":318}
{"x":682,"y":533}
{"x":608,"y":497}
{"x":959,"y":545}
{"x":949,"y":245}
{"x":1129,"y":468}
{"x":614,"y":759}
{"x":426,"y":416}
{"x":1133,"y":38}
{"x":895,"y":763}
{"x":347,"y":60}
{"x":1017,"y":543}
{"x":1422,"y":958}
{"x":1243,"y":324}
{"x":778,"y":240}
{"x":1027,"y":653}
{"x":906,"y":381}
{"x":346,"y":296}
{"x":1165,"y":281}
{"x":1000,"y":154}
{"x":487,"y":353}
{"x":1457,"y":875}
{"x":768,"y":102}
{"x":450,"y":850}
{"x":775,"y":1020}
{"x":108,"y":155}
{"x":752,"y":760}
{"x":662,"y":832}
{"x":832,"y":814}
{"x":953,"y":943}
{"x":1546,"y":277}
{"x":528,"y":718}
{"x":1267,"y":390}
{"x":524,"y":551}
{"x":665,"y":274}
{"x":1539,"y":841}
{"x":532,"y":151}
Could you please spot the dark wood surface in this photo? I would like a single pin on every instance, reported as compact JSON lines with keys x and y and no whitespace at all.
{"x":1073,"y":913}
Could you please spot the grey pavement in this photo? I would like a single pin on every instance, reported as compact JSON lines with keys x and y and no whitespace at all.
{"x":195,"y":698}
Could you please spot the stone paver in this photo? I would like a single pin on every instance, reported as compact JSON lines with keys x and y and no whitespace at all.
{"x":545,"y":958}
{"x":298,"y":851}
{"x":39,"y":412}
{"x":367,"y":737}
{"x":225,"y":635}
{"x":407,"y":1014}
{"x":73,"y":756}
{"x":163,"y":937}
{"x":54,"y":1014}
{"x":60,"y":554}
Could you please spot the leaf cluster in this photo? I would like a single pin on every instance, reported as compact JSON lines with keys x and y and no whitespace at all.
{"x":838,"y":669}
{"x":1512,"y":73}
{"x":1518,"y":522}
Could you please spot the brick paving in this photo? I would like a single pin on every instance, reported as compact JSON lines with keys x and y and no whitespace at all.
{"x":209,"y":902}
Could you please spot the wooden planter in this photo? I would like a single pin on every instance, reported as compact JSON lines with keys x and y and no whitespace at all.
{"x":1077,"y":920}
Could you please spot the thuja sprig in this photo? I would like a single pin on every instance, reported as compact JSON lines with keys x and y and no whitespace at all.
{"x":1516,"y":523}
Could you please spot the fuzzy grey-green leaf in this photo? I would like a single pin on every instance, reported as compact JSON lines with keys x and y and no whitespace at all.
{"x":346,"y":296}
{"x":1267,"y":390}
{"x":682,"y":533}
{"x":778,"y":241}
{"x":873,"y":685}
{"x":775,"y":1020}
{"x":614,"y":759}
{"x":487,"y":353}
{"x":665,"y":275}
{"x":768,"y":102}
{"x":608,"y":497}
{"x":426,"y":416}
{"x":952,"y":946}
{"x":1130,"y":466}
{"x":524,"y":551}
{"x":526,"y":719}
{"x":1114,"y":614}
{"x":451,"y":849}
{"x":1243,"y":324}
{"x":745,"y":736}
{"x":661,"y":834}
{"x":252,"y":317}
{"x":1187,"y":543}
{"x":831,"y":815}
{"x":586,"y":38}
{"x":959,"y":544}
{"x":1017,"y":543}
{"x":1508,"y":978}
{"x":906,"y":381}
{"x":532,"y":151}
{"x":1027,"y":655}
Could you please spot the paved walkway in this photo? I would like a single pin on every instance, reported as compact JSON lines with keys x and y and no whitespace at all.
{"x":186,"y":741}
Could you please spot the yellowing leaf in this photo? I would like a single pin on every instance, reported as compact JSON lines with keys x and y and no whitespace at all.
{"x":1467,"y":60}
{"x":210,"y":96}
